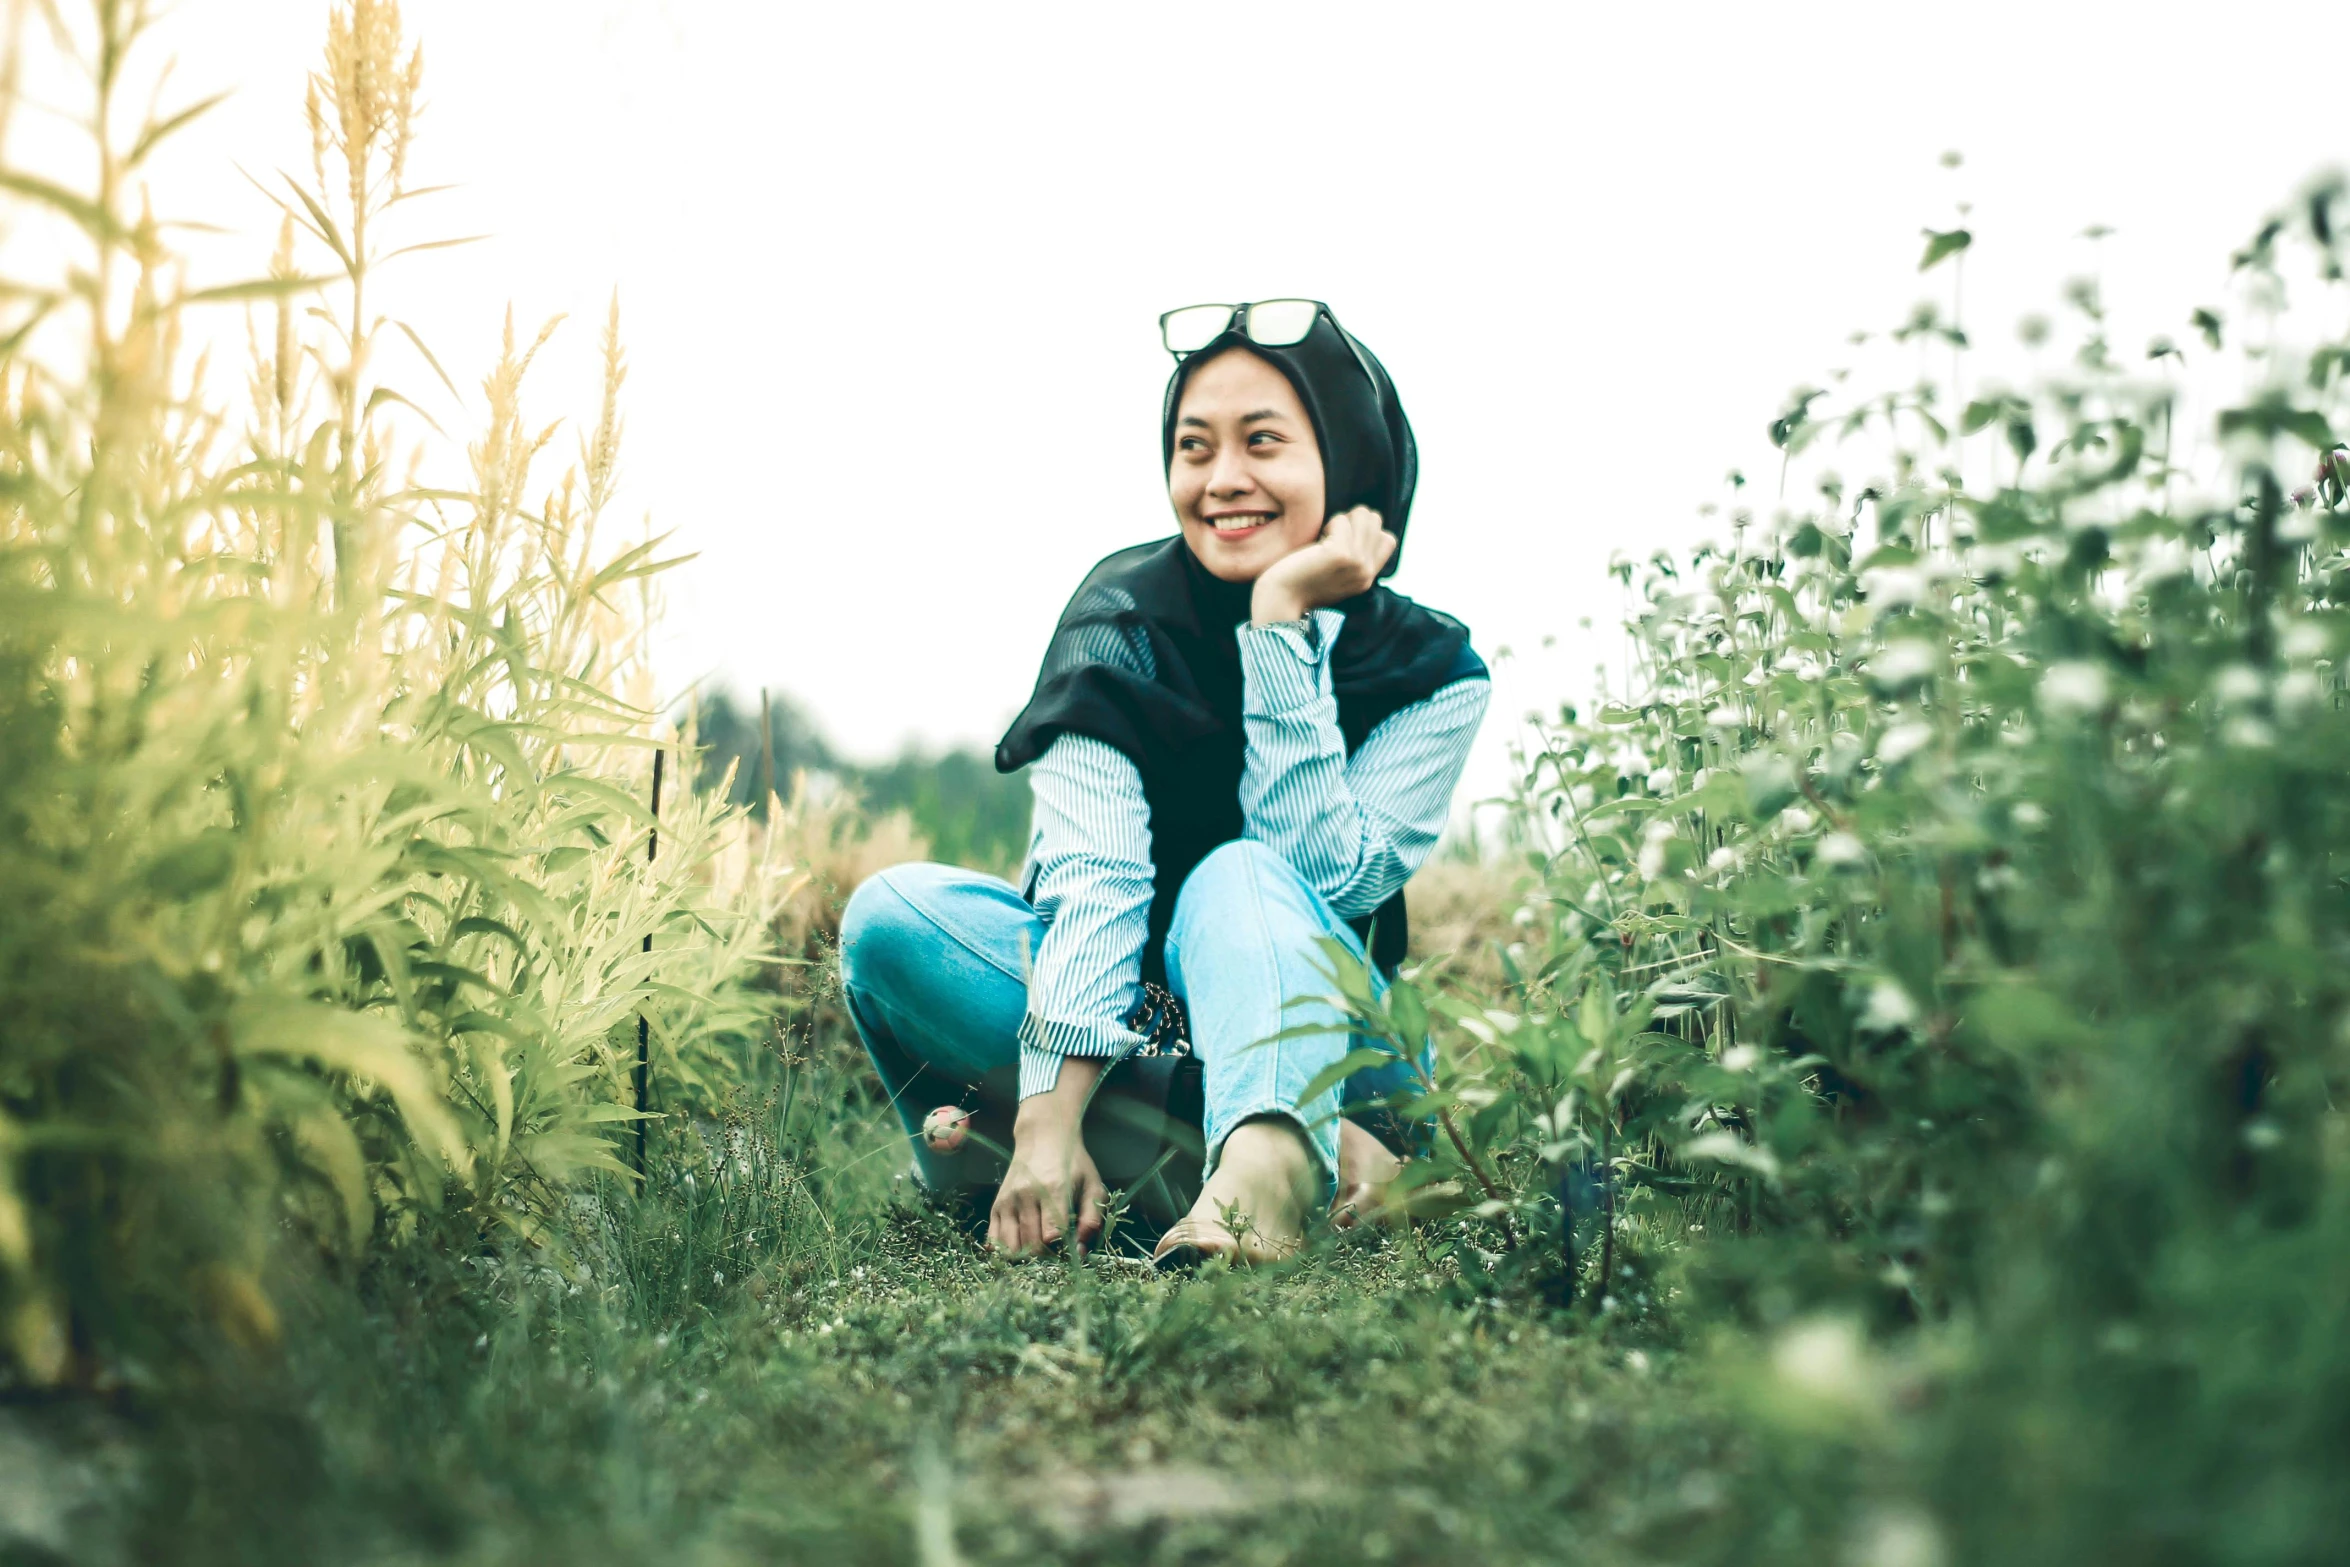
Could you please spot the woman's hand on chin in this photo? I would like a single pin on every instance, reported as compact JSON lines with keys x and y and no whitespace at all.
{"x":1051,"y":1174}
{"x":1354,"y":548}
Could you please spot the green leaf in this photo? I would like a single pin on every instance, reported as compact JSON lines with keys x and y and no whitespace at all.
{"x":1770,"y":785}
{"x":1595,"y":1019}
{"x":1361,"y":1059}
{"x":255,"y":288}
{"x":384,"y":394}
{"x":1941,"y":246}
{"x":478,"y":1022}
{"x":370,"y":1048}
{"x":2272,"y":415}
{"x":93,"y":219}
{"x":157,"y":131}
{"x":197,"y":866}
{"x":1728,"y":1148}
{"x":323,"y":226}
{"x":328,"y":1146}
{"x":410,"y":333}
{"x":483,"y":925}
{"x":435,"y":244}
{"x":1788,"y":431}
{"x":1407,"y":1013}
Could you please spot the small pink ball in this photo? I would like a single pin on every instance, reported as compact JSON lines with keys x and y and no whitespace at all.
{"x":944,"y":1128}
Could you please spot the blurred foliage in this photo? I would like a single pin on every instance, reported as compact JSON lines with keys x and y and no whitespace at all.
{"x":966,"y":812}
{"x":331,"y":903}
{"x":1940,"y":959}
{"x":734,"y":758}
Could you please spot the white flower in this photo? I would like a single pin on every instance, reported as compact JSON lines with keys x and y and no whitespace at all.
{"x":1900,"y":663}
{"x":2159,"y":560}
{"x":2250,"y":733}
{"x":1899,"y":1537}
{"x":1797,"y":820}
{"x":2237,"y":684}
{"x":1997,"y":560}
{"x":1724,"y":717}
{"x":2073,"y":688}
{"x":1661,"y":781}
{"x":1658,"y":833}
{"x":1721,"y":859}
{"x":2305,"y":639}
{"x":1902,"y":742}
{"x":2028,"y":815}
{"x":1893,"y":587}
{"x":2299,"y":690}
{"x":1825,"y":1358}
{"x":1889,"y":1008}
{"x":1740,"y":1058}
{"x":1842,"y":848}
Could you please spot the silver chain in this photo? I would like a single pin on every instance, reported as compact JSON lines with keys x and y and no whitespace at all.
{"x":1162,"y":1015}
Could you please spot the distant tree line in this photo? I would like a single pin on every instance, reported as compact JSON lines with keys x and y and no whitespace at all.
{"x":971,"y":814}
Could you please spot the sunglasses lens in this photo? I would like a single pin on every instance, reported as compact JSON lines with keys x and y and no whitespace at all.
{"x":1194,"y":327}
{"x":1277,"y":323}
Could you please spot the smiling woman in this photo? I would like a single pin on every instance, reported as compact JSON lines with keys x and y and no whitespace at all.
{"x":1247,"y":485}
{"x":1243,"y":747}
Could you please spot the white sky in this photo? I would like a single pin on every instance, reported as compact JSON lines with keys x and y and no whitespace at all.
{"x":890,"y":272}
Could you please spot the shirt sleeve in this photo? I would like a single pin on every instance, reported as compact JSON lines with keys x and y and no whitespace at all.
{"x":1355,"y":828}
{"x":1091,"y":877}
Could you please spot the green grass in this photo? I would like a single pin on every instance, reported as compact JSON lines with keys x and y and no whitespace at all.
{"x":864,"y":1375}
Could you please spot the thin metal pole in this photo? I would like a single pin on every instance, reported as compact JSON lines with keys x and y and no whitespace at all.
{"x":766,"y":755}
{"x":644,"y":1032}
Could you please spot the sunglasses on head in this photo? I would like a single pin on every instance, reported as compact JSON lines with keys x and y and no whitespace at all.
{"x":1273,"y":323}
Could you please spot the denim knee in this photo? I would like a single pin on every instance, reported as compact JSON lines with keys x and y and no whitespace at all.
{"x":1228,"y":870}
{"x":882,"y":914}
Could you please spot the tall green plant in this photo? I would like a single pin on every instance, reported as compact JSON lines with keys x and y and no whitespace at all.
{"x":324,"y":792}
{"x":1948,"y":931}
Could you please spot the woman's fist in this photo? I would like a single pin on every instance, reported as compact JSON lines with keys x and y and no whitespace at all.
{"x":1354,"y":548}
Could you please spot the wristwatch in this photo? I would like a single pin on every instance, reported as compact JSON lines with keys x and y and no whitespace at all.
{"x":1303,"y":627}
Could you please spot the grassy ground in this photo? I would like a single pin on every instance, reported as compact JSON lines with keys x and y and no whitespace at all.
{"x":777,"y":1354}
{"x":1357,"y":1405}
{"x":776,"y":1359}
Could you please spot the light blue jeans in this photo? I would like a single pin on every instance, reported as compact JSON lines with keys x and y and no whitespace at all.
{"x":934,"y":959}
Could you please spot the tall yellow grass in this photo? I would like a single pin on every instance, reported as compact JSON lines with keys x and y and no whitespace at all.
{"x":324,"y":805}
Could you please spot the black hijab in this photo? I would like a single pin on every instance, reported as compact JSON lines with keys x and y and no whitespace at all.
{"x":1146,"y":658}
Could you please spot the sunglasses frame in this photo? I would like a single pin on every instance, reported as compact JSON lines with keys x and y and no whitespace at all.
{"x":1239,"y":319}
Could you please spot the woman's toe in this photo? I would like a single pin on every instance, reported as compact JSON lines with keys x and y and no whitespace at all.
{"x":1191,"y":1242}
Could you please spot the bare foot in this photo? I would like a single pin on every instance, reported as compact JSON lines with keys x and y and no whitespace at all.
{"x":1365,"y":1168}
{"x":1253,"y":1208}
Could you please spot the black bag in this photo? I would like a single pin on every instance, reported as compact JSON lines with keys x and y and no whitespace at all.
{"x":1144,"y":1124}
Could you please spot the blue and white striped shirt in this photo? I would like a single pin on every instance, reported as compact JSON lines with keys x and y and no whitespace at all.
{"x":1355,"y":827}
